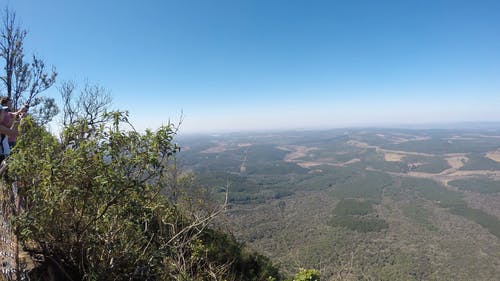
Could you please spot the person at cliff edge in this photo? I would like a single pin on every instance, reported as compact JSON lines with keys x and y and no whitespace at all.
{"x":9,"y":120}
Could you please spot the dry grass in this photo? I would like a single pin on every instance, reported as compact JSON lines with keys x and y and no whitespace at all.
{"x":244,"y":144}
{"x":456,"y":161}
{"x":451,"y":174}
{"x":352,"y":161}
{"x":476,"y":173}
{"x":316,"y":171}
{"x":393,"y":157}
{"x":378,"y":149}
{"x":215,"y":149}
{"x":330,"y":162}
{"x":398,"y":140}
{"x":218,"y":148}
{"x":359,"y":144}
{"x":309,"y":164}
{"x":221,"y":147}
{"x":296,"y":151}
{"x":494,"y":155}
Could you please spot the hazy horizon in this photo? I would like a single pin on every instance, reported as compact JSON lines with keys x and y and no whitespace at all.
{"x":264,"y":65}
{"x":451,"y":126}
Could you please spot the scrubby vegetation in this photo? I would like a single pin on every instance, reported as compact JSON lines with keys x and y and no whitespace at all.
{"x":352,"y":214}
{"x":374,"y":159}
{"x":481,"y":185}
{"x":453,"y":201}
{"x":488,"y":221}
{"x":356,"y":215}
{"x":480,"y":162}
{"x":102,"y":204}
{"x":102,"y":201}
{"x":431,"y":190}
{"x":419,"y":215}
{"x":364,"y":185}
{"x":307,"y":275}
{"x":444,"y":142}
{"x":359,"y":224}
{"x":426,"y":164}
{"x":349,"y":207}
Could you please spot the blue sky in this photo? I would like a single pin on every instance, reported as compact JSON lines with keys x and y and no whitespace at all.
{"x":257,"y":65}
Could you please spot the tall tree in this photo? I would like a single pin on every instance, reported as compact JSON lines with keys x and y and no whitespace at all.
{"x":24,"y":81}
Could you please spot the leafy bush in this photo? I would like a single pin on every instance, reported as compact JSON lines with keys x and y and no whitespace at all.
{"x":103,"y":203}
{"x":307,"y":275}
{"x":481,"y":185}
{"x":359,"y":224}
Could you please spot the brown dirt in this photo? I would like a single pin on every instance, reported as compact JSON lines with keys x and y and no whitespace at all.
{"x":310,"y":164}
{"x":393,"y":157}
{"x":494,"y":155}
{"x":244,"y":144}
{"x":457,"y":160}
{"x":445,"y":178}
{"x":296,"y":151}
{"x":220,"y":147}
{"x":378,"y":149}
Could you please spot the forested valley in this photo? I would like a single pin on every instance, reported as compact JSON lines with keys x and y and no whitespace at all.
{"x":362,"y":204}
{"x":85,"y":195}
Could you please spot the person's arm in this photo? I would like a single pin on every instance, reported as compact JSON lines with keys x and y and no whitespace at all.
{"x":6,"y":130}
{"x":22,"y":110}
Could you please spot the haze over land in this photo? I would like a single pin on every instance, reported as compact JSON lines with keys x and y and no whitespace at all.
{"x":260,"y":65}
{"x":373,"y":204}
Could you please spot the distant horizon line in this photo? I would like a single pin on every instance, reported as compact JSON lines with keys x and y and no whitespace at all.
{"x":459,"y":125}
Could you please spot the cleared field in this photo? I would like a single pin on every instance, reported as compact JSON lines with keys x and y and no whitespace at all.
{"x":218,"y":148}
{"x":296,"y":152}
{"x":311,"y":164}
{"x":393,"y":157}
{"x":244,"y":144}
{"x":494,"y":155}
{"x":456,"y":161}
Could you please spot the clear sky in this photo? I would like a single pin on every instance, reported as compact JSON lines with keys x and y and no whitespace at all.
{"x":256,"y":65}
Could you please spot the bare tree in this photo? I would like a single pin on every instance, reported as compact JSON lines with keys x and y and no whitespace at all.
{"x":90,"y":104}
{"x":24,"y":81}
